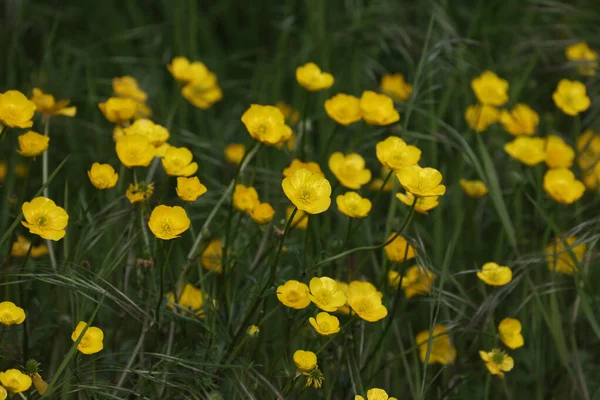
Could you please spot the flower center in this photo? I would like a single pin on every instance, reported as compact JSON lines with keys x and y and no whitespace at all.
{"x":498,"y":358}
{"x":262,"y":129}
{"x":305,"y":196}
{"x":41,"y":221}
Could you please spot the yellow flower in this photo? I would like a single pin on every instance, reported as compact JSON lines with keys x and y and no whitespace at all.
{"x":343,"y":109}
{"x":262,"y":213}
{"x":291,"y":115}
{"x":103,"y":176}
{"x":297,"y":164}
{"x":495,"y":275}
{"x":310,"y":77}
{"x":91,"y":342}
{"x":479,"y":117}
{"x":375,"y":394}
{"x":300,"y":220}
{"x":349,"y":169}
{"x":365,"y":301}
{"x":417,"y":281}
{"x":588,"y":144}
{"x":202,"y":94}
{"x":118,"y":110}
{"x":191,"y":298}
{"x":571,"y":97}
{"x":40,"y":385}
{"x":138,"y":192}
{"x":397,"y":250}
{"x":293,"y":294}
{"x":421,"y":182}
{"x":378,"y":109}
{"x":10,"y":314}
{"x":127,"y":86}
{"x":325,"y":324}
{"x":178,"y":162}
{"x":212,"y":256}
{"x":586,"y":58}
{"x":558,"y":153}
{"x":326,"y":294}
{"x":394,"y":153}
{"x":396,"y":86}
{"x":528,"y":150}
{"x":308,"y":191}
{"x":47,"y":105}
{"x":15,"y":381}
{"x":497,"y":362}
{"x":20,"y":248}
{"x":377,"y":183}
{"x":591,"y":178}
{"x":509,"y":330}
{"x":168,"y":222}
{"x":474,"y":188}
{"x":352,"y":205}
{"x":135,"y":151}
{"x":441,"y":350}
{"x":156,"y":134}
{"x":39,"y":251}
{"x":560,"y":184}
{"x":32,"y":144}
{"x":521,"y":120}
{"x":305,"y":360}
{"x":189,"y":189}
{"x":266,"y":124}
{"x":180,"y":68}
{"x":314,"y":378}
{"x":253,"y":331}
{"x":559,"y":257}
{"x":15,"y":110}
{"x":490,"y":89}
{"x":234,"y":153}
{"x":44,"y":218}
{"x":245,"y":198}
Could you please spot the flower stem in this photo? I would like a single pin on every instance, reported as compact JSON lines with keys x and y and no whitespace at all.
{"x":46,"y":192}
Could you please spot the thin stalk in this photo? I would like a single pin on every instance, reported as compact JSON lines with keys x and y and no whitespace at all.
{"x":46,"y":193}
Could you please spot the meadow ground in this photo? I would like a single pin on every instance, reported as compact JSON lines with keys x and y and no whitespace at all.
{"x":418,"y":284}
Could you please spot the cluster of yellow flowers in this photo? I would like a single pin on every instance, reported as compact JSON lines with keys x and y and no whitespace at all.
{"x":200,"y":86}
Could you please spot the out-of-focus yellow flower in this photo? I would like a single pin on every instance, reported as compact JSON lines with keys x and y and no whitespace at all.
{"x":441,"y":350}
{"x":135,"y":151}
{"x":509,"y":331}
{"x":421,"y":182}
{"x":378,"y":109}
{"x":314,"y":378}
{"x":325,"y":324}
{"x":127,"y":86}
{"x":424,"y":204}
{"x":394,"y":153}
{"x":39,"y":251}
{"x":490,"y":89}
{"x":495,"y":275}
{"x":168,"y":222}
{"x":474,"y":188}
{"x":521,"y":120}
{"x":311,"y":78}
{"x":562,"y":186}
{"x":234,"y":153}
{"x":103,"y":176}
{"x":44,"y":218}
{"x":343,"y":109}
{"x":202,"y":94}
{"x":40,"y":385}
{"x":245,"y":198}
{"x":185,"y":71}
{"x":305,"y":360}
{"x":349,"y":169}
{"x":591,"y":178}
{"x":10,"y":314}
{"x":395,"y":86}
{"x":497,"y":362}
{"x":326,"y":294}
{"x":586,"y":58}
{"x":570,"y":97}
{"x":479,"y":117}
{"x":297,"y":164}
{"x":119,"y":110}
{"x":212,"y":256}
{"x":528,"y":150}
{"x":21,"y":170}
{"x":417,"y":281}
{"x":365,"y":301}
{"x":293,"y":294}
{"x":308,"y":191}
{"x":588,"y":158}
{"x":32,"y":144}
{"x":558,"y":153}
{"x":352,"y":205}
{"x":266,"y":124}
{"x":48,"y":106}
{"x":300,"y":220}
{"x":253,"y":331}
{"x":291,"y":115}
{"x":139,"y":192}
{"x":189,"y":189}
{"x":15,"y":381}
{"x":156,"y":134}
{"x":397,"y":250}
{"x":375,"y":394}
{"x":262,"y":213}
{"x":21,"y":246}
{"x":92,"y":341}
{"x":178,"y":162}
{"x":3,"y":170}
{"x":16,"y":111}
{"x":377,"y":183}
{"x":559,"y":257}
{"x":190,"y":298}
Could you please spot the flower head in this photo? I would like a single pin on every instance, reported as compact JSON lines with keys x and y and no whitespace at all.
{"x":314,"y":378}
{"x":421,"y":182}
{"x":44,"y":218}
{"x":128,"y":87}
{"x":495,"y":275}
{"x":424,"y":204}
{"x":189,"y":189}
{"x":15,"y":110}
{"x":562,"y":186}
{"x":305,"y":360}
{"x":234,"y":153}
{"x":308,"y":191}
{"x":156,"y":134}
{"x":266,"y":124}
{"x":349,"y":169}
{"x":191,"y":298}
{"x":497,"y":362}
{"x":521,"y":120}
{"x":441,"y":350}
{"x":509,"y":330}
{"x":393,"y":153}
{"x":395,"y":86}
{"x":253,"y":331}
{"x":103,"y":176}
{"x":47,"y":105}
{"x":20,"y":247}
{"x":297,"y":164}
{"x":474,"y":188}
{"x":168,"y":222}
{"x":570,"y":97}
{"x":245,"y":198}
{"x":119,"y":110}
{"x":139,"y":192}
{"x":300,"y":220}
{"x":311,"y":78}
{"x":417,"y":281}
{"x":15,"y":381}
{"x":490,"y":89}
{"x":326,"y":294}
{"x":378,"y":109}
{"x":375,"y":394}
{"x":10,"y":314}
{"x":178,"y":162}
{"x":559,"y":256}
{"x":352,"y":205}
{"x":479,"y":117}
{"x":184,"y":71}
{"x":32,"y":144}
{"x":203,"y":94}
{"x":528,"y":150}
{"x":586,"y":58}
{"x":325,"y":324}
{"x":558,"y":153}
{"x":91,"y":342}
{"x":399,"y":250}
{"x":294,"y":294}
{"x":212,"y":256}
{"x":343,"y":109}
{"x":365,"y":301}
{"x":135,"y":151}
{"x":262,"y":214}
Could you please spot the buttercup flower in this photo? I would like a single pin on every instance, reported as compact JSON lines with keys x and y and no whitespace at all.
{"x":212,"y":256}
{"x":297,"y":164}
{"x":474,"y":188}
{"x":528,"y":150}
{"x":399,"y":250}
{"x":135,"y":151}
{"x":91,"y":342}
{"x":294,"y":294}
{"x":127,"y":86}
{"x":118,"y":110}
{"x":509,"y":330}
{"x":253,"y":331}
{"x":570,"y":97}
{"x":559,"y":257}
{"x":40,"y":385}
{"x":417,"y":281}
{"x":266,"y":124}
{"x":421,"y":182}
{"x":168,"y":222}
{"x":378,"y":109}
{"x":558,"y":153}
{"x":395,"y":86}
{"x":586,"y":58}
{"x":44,"y":218}
{"x":424,"y":204}
{"x":343,"y":109}
{"x":47,"y":105}
{"x":377,"y":184}
{"x":497,"y":362}
{"x":245,"y":198}
{"x":190,"y":298}
{"x":300,"y":220}
{"x":490,"y":89}
{"x":234,"y":153}
{"x":325,"y":324}
{"x":314,"y":378}
{"x":15,"y":110}
{"x":521,"y":120}
{"x":495,"y":275}
{"x":352,"y":205}
{"x":349,"y":169}
{"x":560,"y":184}
{"x":394,"y":153}
{"x":10,"y":314}
{"x":479,"y":117}
{"x":180,"y":68}
{"x":375,"y":394}
{"x":365,"y":301}
{"x":305,"y":360}
{"x":178,"y":162}
{"x":308,"y":191}
{"x":310,"y":77}
{"x":3,"y":393}
{"x":441,"y":350}
{"x":326,"y":294}
{"x":262,"y":213}
{"x":203,"y":94}
{"x":103,"y":176}
{"x":156,"y":134}
{"x":139,"y":192}
{"x":20,"y":247}
{"x":291,"y":115}
{"x":32,"y":144}
{"x":189,"y":189}
{"x":15,"y":381}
